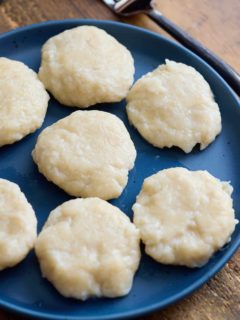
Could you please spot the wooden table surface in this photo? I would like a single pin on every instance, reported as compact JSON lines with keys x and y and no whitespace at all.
{"x":215,"y":23}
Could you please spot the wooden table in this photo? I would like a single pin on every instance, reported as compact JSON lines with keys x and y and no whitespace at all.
{"x":217,"y":24}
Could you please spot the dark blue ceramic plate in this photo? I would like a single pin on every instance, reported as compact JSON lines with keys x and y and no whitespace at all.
{"x":22,"y":288}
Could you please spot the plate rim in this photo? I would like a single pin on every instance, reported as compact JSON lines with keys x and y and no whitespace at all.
{"x":203,"y":279}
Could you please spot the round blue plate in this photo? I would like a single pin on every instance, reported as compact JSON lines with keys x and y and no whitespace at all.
{"x":22,"y":288}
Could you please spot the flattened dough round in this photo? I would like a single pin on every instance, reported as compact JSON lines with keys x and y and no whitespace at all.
{"x":84,"y":66}
{"x":184,"y":216}
{"x":87,"y":154}
{"x":23,"y":101}
{"x":89,"y":248}
{"x":174,"y":106}
{"x":18,"y":225}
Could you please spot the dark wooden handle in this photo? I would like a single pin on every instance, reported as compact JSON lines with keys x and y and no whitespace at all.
{"x":230,"y":76}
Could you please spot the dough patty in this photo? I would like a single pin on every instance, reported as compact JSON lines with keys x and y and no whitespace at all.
{"x":87,"y":154}
{"x":89,"y":248}
{"x":184,"y":216}
{"x":84,"y":66}
{"x":18,"y":225}
{"x":23,"y":101}
{"x":174,"y":106}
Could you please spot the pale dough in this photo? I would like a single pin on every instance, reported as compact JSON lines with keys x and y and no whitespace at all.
{"x":23,"y":101}
{"x":84,"y":66}
{"x":88,"y":153}
{"x":89,"y":248}
{"x":18,"y":225}
{"x":184,"y":216}
{"x":174,"y":106}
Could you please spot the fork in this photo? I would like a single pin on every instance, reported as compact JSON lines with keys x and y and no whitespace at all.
{"x":131,"y":7}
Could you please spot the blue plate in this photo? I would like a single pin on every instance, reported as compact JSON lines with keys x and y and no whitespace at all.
{"x":22,"y":288}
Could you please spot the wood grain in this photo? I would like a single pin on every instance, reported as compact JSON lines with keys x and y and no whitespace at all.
{"x":216,"y":24}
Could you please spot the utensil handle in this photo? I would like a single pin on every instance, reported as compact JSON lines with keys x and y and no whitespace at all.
{"x":231,"y":76}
